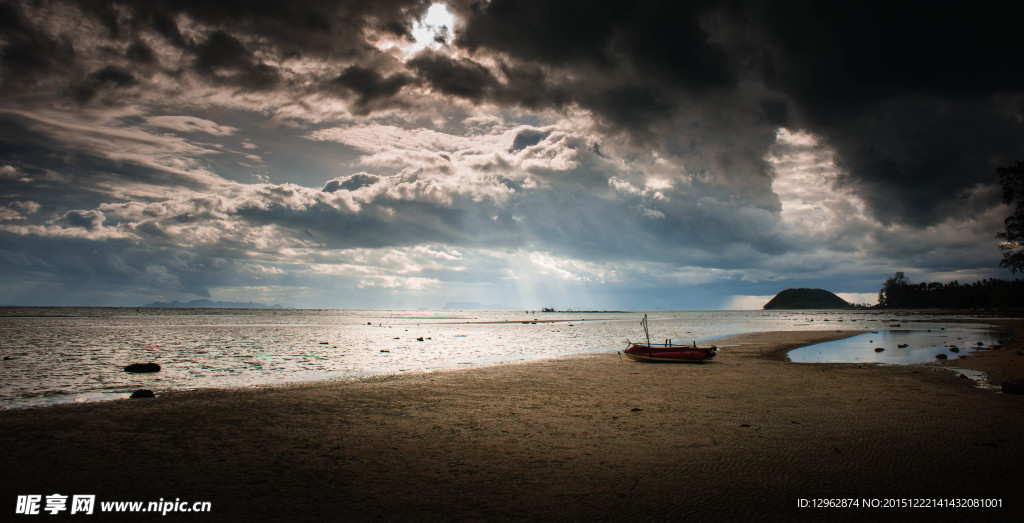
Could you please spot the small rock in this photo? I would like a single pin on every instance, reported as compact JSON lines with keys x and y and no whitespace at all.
{"x":420,"y":338}
{"x":940,"y":356}
{"x":980,"y":344}
{"x":879,"y":349}
{"x":902,"y":346}
{"x":142,"y":367}
{"x":384,"y":350}
{"x":954,"y":349}
{"x":636,"y":409}
{"x":1013,"y":386}
{"x":143,"y":393}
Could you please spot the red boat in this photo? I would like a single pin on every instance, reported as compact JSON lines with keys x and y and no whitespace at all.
{"x":671,"y":353}
{"x":667,"y":352}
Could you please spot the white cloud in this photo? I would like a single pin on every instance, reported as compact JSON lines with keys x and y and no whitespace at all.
{"x":813,"y":206}
{"x":14,"y":211}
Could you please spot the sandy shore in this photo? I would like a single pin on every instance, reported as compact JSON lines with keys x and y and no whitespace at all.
{"x":588,"y":437}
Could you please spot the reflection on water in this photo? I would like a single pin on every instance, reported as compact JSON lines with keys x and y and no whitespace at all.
{"x":899,"y":346}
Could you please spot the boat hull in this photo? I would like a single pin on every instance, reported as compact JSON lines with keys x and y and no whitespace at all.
{"x":670,"y":354}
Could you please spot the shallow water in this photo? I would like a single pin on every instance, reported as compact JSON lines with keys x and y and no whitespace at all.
{"x":900,"y":346}
{"x":53,"y":355}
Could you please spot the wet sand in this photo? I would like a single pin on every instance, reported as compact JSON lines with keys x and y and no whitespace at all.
{"x":588,"y":437}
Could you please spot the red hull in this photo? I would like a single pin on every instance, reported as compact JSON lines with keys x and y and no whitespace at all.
{"x":672,"y":353}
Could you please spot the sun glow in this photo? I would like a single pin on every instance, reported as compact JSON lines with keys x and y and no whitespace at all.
{"x":434,"y":30}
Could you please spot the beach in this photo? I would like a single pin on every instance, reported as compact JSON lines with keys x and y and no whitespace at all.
{"x":597,"y":436}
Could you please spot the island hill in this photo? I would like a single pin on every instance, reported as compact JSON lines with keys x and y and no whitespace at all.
{"x":807,"y":299}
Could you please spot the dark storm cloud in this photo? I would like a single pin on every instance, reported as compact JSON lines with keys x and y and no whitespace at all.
{"x":911,"y":95}
{"x":299,"y":27}
{"x":645,"y":56}
{"x":222,"y":58}
{"x":458,"y":77}
{"x":921,"y":101}
{"x":553,"y":126}
{"x":26,"y":51}
{"x":370,"y":86}
{"x":233,"y":44}
{"x":108,"y":77}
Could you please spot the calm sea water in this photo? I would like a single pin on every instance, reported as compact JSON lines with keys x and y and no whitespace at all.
{"x":54,"y":355}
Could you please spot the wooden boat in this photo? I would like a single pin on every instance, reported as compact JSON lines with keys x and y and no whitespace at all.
{"x":668,"y":352}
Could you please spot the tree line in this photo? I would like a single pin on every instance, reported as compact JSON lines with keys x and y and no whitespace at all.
{"x":898,"y":292}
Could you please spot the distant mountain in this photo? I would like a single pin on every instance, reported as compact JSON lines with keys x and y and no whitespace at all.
{"x":209,"y":304}
{"x":806,"y":299}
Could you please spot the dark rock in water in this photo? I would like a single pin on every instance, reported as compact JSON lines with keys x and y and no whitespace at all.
{"x":940,"y":356}
{"x":143,"y":393}
{"x":980,"y":344}
{"x":879,"y":349}
{"x":954,"y":348}
{"x":902,"y":345}
{"x":806,"y":299}
{"x":142,"y":367}
{"x":1013,"y":387}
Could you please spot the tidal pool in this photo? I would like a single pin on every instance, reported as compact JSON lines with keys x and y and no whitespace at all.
{"x":900,"y":346}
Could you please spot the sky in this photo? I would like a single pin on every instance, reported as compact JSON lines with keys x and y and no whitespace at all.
{"x":522,"y":154}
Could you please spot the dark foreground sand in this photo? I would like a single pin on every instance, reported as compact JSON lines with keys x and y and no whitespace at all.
{"x":589,"y":437}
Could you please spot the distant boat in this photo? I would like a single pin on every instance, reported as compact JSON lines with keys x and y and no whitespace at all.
{"x":668,"y":352}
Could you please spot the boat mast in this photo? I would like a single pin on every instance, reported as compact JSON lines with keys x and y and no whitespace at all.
{"x":643,"y":323}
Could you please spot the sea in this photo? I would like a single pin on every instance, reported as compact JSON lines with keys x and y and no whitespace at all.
{"x":51,"y":355}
